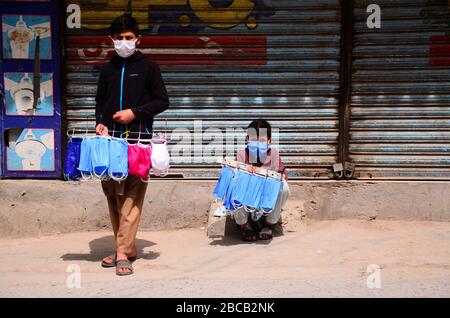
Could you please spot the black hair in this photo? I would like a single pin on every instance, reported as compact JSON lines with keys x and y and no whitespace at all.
{"x":262,"y":127}
{"x":125,"y":22}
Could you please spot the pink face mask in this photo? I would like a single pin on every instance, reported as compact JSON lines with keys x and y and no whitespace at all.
{"x":139,"y":162}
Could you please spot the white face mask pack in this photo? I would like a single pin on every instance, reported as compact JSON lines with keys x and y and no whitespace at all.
{"x":160,"y":157}
{"x":125,"y":48}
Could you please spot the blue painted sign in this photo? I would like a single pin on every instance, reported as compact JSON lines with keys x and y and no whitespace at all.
{"x":30,"y":89}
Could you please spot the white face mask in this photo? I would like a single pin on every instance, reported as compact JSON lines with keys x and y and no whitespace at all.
{"x":160,"y":158}
{"x":125,"y":48}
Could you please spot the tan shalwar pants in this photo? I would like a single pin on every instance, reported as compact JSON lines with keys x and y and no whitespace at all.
{"x":125,"y":202}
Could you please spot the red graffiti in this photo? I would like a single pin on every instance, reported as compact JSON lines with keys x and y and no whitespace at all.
{"x":440,"y":50}
{"x":173,"y":50}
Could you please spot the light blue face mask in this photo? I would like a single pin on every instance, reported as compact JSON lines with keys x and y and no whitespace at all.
{"x":118,"y":159}
{"x":100,"y":156}
{"x":85,"y":165}
{"x":240,"y":188}
{"x":270,"y":193}
{"x":257,"y":150}
{"x":226,"y":175}
{"x":229,"y":193}
{"x":253,"y":193}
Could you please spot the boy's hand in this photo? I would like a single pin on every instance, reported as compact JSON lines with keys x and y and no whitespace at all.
{"x":101,"y":130}
{"x":250,"y":169}
{"x":124,"y":116}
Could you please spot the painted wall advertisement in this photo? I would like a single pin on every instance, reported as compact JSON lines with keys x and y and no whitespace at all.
{"x":30,"y":77}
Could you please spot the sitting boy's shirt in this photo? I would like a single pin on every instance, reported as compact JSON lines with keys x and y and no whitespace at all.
{"x":273,"y":160}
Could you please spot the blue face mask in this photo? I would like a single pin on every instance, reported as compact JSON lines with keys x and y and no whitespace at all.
{"x":100,"y":156}
{"x":72,"y":160}
{"x":240,"y":186}
{"x":118,"y":159}
{"x":253,"y":193}
{"x":221,"y":188}
{"x":269,"y":196}
{"x":257,"y":151}
{"x":85,"y":165}
{"x":229,"y":193}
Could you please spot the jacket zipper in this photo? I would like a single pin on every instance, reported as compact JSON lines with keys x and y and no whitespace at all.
{"x":121,"y":85}
{"x":121,"y":88}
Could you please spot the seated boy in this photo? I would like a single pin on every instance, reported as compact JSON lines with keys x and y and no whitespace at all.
{"x":259,"y":153}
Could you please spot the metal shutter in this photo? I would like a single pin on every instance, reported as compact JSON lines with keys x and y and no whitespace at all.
{"x":400,"y":122}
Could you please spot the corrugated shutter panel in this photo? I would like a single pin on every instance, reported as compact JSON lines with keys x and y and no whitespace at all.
{"x":280,"y":64}
{"x":400,"y":123}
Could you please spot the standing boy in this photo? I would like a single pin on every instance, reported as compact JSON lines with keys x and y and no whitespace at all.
{"x":130,"y":93}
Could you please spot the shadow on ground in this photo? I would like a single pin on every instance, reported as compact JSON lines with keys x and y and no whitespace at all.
{"x":233,"y":235}
{"x":104,"y":246}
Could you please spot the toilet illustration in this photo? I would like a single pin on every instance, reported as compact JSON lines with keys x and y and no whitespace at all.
{"x":31,"y":149}
{"x":20,"y":36}
{"x":22,"y":93}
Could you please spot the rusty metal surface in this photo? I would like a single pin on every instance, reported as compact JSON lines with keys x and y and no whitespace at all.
{"x":347,"y":43}
{"x":400,"y":124}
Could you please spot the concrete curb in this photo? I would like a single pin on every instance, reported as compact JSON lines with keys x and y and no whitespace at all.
{"x":42,"y":207}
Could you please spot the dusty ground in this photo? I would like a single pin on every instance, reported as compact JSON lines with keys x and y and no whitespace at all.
{"x":317,"y":258}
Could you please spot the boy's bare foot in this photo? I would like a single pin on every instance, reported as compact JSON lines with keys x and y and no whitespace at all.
{"x":110,"y":261}
{"x":247,"y":233}
{"x":122,"y":256}
{"x":124,"y":267}
{"x":266,"y":232}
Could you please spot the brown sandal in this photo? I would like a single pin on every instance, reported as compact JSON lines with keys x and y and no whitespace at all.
{"x":113,"y":263}
{"x":248,"y":234}
{"x":124,"y":263}
{"x":266,"y":234}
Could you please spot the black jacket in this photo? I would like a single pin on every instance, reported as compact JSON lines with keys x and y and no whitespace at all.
{"x":144,"y":92}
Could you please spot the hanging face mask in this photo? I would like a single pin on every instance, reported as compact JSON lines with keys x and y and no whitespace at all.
{"x":240,"y":187}
{"x":72,"y":160}
{"x":100,"y":156}
{"x":257,"y":151}
{"x":229,"y":193}
{"x":118,"y":159}
{"x":160,"y":158}
{"x":85,"y":165}
{"x":125,"y":48}
{"x":253,"y":194}
{"x":139,"y":162}
{"x":270,"y":193}
{"x":222,"y":185}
